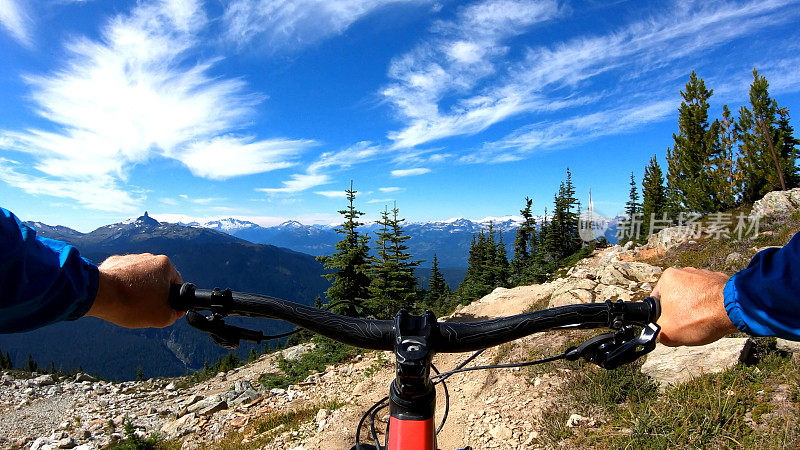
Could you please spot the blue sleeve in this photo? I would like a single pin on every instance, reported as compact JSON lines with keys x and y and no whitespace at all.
{"x":42,"y":281}
{"x":764,"y":298}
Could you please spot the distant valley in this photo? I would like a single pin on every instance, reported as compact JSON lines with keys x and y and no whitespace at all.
{"x":205,"y":257}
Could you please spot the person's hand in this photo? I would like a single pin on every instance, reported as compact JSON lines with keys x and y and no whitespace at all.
{"x":134,"y":291}
{"x":692,"y":307}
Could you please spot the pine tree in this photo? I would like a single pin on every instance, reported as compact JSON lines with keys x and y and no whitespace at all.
{"x":561,"y":238}
{"x":723,"y":176}
{"x":350,"y":280}
{"x":654,"y":195}
{"x":393,"y":284}
{"x":501,"y":266}
{"x":438,"y":290}
{"x":31,"y":365}
{"x":633,"y":210}
{"x":695,"y":142}
{"x":140,"y":372}
{"x":767,"y":146}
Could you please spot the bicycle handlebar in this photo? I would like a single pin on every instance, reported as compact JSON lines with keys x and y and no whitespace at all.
{"x":447,"y":337}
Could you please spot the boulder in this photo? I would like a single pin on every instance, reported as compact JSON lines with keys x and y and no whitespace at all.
{"x":45,"y":380}
{"x":210,"y":409}
{"x":675,"y":365}
{"x":245,"y":397}
{"x":735,"y":259}
{"x":788,"y":346}
{"x":294,"y":353}
{"x":641,"y":272}
{"x":777,"y":202}
{"x":611,"y":274}
{"x":571,"y":297}
{"x":612,"y":293}
{"x":81,"y":377}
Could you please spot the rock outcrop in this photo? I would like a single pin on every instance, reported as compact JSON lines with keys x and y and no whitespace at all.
{"x":674,"y":365}
{"x":777,"y":202}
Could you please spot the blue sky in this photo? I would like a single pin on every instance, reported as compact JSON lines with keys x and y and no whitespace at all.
{"x":265,"y":109}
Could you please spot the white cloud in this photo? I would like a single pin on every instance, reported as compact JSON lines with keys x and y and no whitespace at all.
{"x":288,"y":24}
{"x":380,"y":200}
{"x":328,"y":161}
{"x":332,"y":194}
{"x":298,"y":183}
{"x":133,"y":95}
{"x":449,"y":71}
{"x":454,"y":63}
{"x":16,"y":22}
{"x":410,"y":172}
{"x":577,"y":129}
{"x":390,"y":189}
{"x":101,"y":193}
{"x":226,"y":156}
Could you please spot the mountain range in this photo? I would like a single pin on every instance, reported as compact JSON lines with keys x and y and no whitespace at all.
{"x":207,"y":258}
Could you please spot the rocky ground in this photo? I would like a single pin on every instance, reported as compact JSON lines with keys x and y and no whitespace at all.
{"x":488,"y":409}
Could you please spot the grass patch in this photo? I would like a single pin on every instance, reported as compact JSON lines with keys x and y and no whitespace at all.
{"x":380,"y":363}
{"x":743,"y":407}
{"x":712,"y":254}
{"x":324,"y":353}
{"x":264,"y":430}
{"x":134,"y":442}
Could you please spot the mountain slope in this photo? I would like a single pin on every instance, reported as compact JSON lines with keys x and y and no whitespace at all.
{"x":205,"y":257}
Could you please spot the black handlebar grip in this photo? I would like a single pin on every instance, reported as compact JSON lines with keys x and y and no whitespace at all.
{"x":181,"y":296}
{"x":655,"y":308}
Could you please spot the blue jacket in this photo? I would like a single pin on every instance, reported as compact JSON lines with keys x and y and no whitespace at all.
{"x":764,"y":298}
{"x":41,"y":280}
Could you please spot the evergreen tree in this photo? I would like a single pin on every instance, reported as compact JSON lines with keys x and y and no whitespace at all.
{"x":633,"y":209}
{"x":654,"y":195}
{"x":525,"y":236}
{"x":438,"y":290}
{"x":500,"y":266}
{"x":695,"y":143}
{"x":350,"y":280}
{"x":393,"y":284}
{"x":561,"y":238}
{"x":723,"y":176}
{"x":768,"y":148}
{"x":31,"y":365}
{"x":474,"y":285}
{"x":140,"y":372}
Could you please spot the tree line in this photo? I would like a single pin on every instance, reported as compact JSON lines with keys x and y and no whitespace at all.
{"x":718,"y":165}
{"x":379,"y":280}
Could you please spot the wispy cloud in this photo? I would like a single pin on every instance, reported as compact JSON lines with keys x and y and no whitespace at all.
{"x":562,"y":76}
{"x":331,"y":194}
{"x":410,"y":172}
{"x":463,"y":54}
{"x":380,"y":200}
{"x":299,"y":182}
{"x":16,"y":22}
{"x":390,"y":189}
{"x":133,"y":95}
{"x":289,"y":24}
{"x":316,"y":172}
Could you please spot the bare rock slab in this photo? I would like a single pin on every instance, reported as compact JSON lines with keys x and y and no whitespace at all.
{"x":675,"y":365}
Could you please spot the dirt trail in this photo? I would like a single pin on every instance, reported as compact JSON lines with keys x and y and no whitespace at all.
{"x":485,"y":406}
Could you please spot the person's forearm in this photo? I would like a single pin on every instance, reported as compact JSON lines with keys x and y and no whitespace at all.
{"x":764,"y":298}
{"x":43,"y":280}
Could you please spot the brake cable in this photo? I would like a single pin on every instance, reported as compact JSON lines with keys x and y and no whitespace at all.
{"x":608,"y":350}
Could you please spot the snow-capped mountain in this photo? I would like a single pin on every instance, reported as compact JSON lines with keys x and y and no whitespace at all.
{"x":449,"y":239}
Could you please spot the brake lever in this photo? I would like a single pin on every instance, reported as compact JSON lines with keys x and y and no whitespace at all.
{"x":224,"y":335}
{"x":611,"y":350}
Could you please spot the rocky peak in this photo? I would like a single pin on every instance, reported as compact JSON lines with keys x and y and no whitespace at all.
{"x":146,"y":220}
